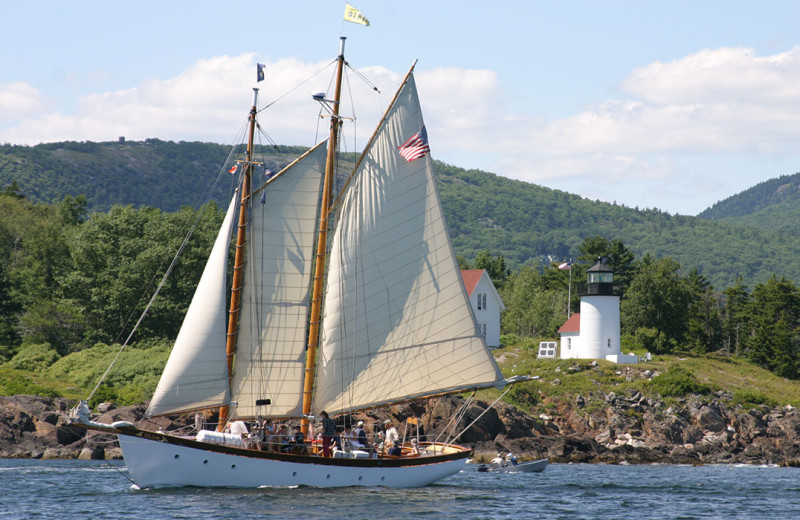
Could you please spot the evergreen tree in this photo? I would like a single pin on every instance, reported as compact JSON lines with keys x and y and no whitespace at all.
{"x":532,"y":310}
{"x":704,"y":332}
{"x":658,"y":298}
{"x":495,"y":267}
{"x":734,"y":316}
{"x":773,"y":341}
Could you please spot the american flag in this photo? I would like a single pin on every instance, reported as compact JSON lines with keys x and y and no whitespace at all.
{"x":416,"y":146}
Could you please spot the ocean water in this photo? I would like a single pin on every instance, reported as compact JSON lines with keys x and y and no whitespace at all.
{"x":32,"y":489}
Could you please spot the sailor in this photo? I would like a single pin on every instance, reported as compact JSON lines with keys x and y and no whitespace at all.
{"x":392,"y":438}
{"x":297,"y":442}
{"x":238,"y":428}
{"x":512,"y":458}
{"x":328,"y":433}
{"x":360,"y":435}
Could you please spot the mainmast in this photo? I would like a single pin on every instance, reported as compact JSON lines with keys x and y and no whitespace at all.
{"x":238,"y":262}
{"x":322,"y":245}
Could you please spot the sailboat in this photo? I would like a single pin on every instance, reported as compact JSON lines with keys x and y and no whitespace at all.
{"x":375,"y":315}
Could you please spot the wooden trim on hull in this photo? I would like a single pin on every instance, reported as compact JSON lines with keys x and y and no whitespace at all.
{"x":380,"y":462}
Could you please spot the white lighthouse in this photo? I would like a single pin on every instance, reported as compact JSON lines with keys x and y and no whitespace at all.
{"x":594,"y":332}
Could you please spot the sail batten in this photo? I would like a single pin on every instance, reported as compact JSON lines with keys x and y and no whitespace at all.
{"x":270,"y":352}
{"x":397,"y":323}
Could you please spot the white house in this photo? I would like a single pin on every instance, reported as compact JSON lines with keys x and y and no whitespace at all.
{"x":486,"y":303}
{"x":570,"y":333}
{"x":593,"y":333}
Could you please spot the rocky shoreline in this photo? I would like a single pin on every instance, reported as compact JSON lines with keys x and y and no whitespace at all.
{"x":597,"y":428}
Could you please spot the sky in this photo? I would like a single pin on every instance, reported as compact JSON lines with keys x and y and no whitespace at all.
{"x":650,"y":104}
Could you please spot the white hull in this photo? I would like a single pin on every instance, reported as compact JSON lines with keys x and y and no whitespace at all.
{"x":165,"y":461}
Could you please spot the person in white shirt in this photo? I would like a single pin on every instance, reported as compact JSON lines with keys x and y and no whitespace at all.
{"x":392,"y":442}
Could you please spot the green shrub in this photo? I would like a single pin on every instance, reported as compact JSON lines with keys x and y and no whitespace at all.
{"x":651,"y":340}
{"x":508,"y":340}
{"x":16,"y":384}
{"x":524,"y":395}
{"x":750,"y":398}
{"x":678,"y":382}
{"x":34,"y":357}
{"x":104,"y":394}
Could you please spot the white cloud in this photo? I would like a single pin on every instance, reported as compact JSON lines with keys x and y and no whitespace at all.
{"x":728,"y":75}
{"x":18,"y":100}
{"x":713,"y":103}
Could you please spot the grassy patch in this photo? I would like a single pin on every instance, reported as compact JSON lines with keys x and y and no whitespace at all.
{"x":665,"y":377}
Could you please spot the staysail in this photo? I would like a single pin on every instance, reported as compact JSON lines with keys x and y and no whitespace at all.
{"x":397,"y":323}
{"x":195,"y":376}
{"x":270,"y":352}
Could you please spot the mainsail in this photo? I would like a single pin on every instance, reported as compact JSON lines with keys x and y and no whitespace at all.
{"x":270,"y":351}
{"x":397,"y":323}
{"x":195,"y":376}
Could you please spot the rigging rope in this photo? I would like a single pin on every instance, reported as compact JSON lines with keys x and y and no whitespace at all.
{"x":205,"y":198}
{"x":298,"y":85}
{"x":453,"y":439}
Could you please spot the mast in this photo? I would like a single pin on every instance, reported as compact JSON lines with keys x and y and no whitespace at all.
{"x":238,"y":262}
{"x":322,"y":246}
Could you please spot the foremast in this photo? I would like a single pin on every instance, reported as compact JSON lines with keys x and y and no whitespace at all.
{"x":322,"y":245}
{"x":239,"y":258}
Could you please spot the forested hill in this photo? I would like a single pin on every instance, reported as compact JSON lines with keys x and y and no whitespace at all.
{"x":772,"y":204}
{"x":161,"y":174}
{"x":523,"y":222}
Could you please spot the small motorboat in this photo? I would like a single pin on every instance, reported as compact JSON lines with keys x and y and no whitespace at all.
{"x":509,"y":464}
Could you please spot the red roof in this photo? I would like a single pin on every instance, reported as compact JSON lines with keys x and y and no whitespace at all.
{"x":471,"y":278}
{"x":573,"y":324}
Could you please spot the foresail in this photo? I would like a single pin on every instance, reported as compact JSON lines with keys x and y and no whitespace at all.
{"x":270,"y":351}
{"x":195,"y":374}
{"x":397,"y":322}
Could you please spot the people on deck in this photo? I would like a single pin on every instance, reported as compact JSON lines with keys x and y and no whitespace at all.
{"x":284,"y":438}
{"x":297,"y":444}
{"x":392,"y":441}
{"x":414,"y":447}
{"x":238,"y":428}
{"x":360,"y":435}
{"x":346,"y":439}
{"x":328,"y":433}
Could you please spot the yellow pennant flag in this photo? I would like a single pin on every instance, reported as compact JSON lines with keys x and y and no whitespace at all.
{"x":351,"y":14}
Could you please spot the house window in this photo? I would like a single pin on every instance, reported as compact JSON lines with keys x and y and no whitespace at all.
{"x":481,"y":301}
{"x":483,"y":329}
{"x":609,"y":343}
{"x":569,"y":343}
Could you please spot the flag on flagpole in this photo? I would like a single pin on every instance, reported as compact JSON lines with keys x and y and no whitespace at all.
{"x":233,"y":169}
{"x":260,"y":72}
{"x":351,"y":14}
{"x":416,"y":146}
{"x":566,"y":266}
